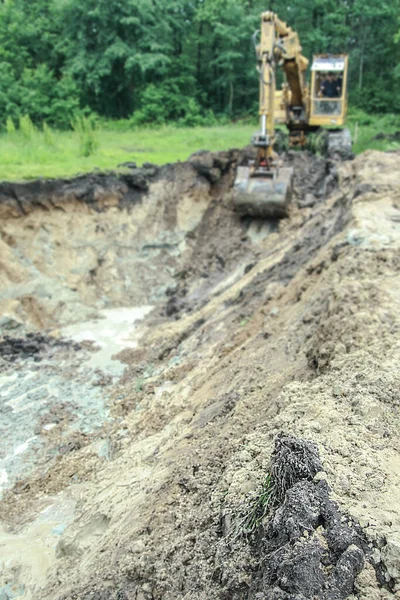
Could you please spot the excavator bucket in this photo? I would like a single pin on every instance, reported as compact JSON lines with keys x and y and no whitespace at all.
{"x":262,"y":194}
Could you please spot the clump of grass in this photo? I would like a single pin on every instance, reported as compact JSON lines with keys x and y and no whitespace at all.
{"x":257,"y":509}
{"x":85,"y":127}
{"x":10,"y":126}
{"x":48,"y":135}
{"x":26,"y":127}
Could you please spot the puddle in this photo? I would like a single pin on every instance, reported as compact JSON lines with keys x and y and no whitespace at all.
{"x":37,"y":397}
{"x":26,"y":556}
{"x":112,"y":332}
{"x":61,"y":391}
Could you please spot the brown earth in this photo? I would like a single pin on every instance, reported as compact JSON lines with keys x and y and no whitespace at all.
{"x":257,"y":329}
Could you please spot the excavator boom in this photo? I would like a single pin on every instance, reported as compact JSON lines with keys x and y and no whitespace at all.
{"x":263,"y":188}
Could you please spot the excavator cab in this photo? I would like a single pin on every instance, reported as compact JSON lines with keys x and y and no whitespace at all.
{"x":328,"y":90}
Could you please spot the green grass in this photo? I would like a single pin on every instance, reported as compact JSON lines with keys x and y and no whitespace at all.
{"x":59,"y":154}
{"x":257,"y":509}
{"x":364,"y":128}
{"x":28,"y":153}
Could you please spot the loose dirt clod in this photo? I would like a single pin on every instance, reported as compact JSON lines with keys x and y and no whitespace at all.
{"x":306,"y":547}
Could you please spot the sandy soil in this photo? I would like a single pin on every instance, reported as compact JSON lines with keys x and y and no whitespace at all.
{"x":256,"y":329}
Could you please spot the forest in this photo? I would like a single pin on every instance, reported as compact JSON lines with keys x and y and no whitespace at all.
{"x":185,"y":61}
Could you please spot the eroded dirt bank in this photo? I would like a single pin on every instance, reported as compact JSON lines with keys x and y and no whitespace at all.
{"x":137,"y":484}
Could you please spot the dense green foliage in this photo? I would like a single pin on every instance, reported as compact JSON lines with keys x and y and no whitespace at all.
{"x":182,"y":60}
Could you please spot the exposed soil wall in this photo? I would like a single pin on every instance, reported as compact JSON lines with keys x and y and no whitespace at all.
{"x":266,"y":340}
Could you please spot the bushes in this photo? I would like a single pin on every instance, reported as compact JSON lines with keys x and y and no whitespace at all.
{"x":38,"y":93}
{"x":166,"y":103}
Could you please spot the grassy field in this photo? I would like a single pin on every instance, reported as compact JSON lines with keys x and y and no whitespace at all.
{"x":365,"y":127}
{"x":23,"y":157}
{"x":33,"y":153}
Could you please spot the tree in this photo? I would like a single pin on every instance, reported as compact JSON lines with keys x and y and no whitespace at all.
{"x":178,"y":59}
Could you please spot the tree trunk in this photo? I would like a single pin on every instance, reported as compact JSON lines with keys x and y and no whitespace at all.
{"x":198,"y":66}
{"x":230,"y":101}
{"x":361,"y":70}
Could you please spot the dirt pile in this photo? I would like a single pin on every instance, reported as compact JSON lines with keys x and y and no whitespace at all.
{"x":257,"y":329}
{"x":306,"y":549}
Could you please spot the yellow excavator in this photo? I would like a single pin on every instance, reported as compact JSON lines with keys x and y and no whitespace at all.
{"x":263,"y":187}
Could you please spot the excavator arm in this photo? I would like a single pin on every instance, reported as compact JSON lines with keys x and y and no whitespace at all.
{"x":264,"y":188}
{"x":279,"y":46}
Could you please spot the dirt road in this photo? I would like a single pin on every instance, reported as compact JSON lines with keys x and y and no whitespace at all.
{"x":166,"y":366}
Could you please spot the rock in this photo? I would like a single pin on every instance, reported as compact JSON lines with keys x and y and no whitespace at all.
{"x":309,"y":550}
{"x":390,"y":555}
{"x":205,"y":165}
{"x":9,"y":323}
{"x":320,"y":476}
{"x":128,"y":165}
{"x":214,"y":174}
{"x":308,"y":201}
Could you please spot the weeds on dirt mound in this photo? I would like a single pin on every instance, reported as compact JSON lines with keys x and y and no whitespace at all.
{"x":306,"y":547}
{"x":258,"y":508}
{"x":292,"y":460}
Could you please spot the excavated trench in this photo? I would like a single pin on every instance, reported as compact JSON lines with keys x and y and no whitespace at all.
{"x":153,"y":346}
{"x":83,"y":260}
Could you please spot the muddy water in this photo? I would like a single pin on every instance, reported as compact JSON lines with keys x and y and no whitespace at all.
{"x":61,"y":391}
{"x":111,"y":333}
{"x":42,"y":404}
{"x":26,"y":556}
